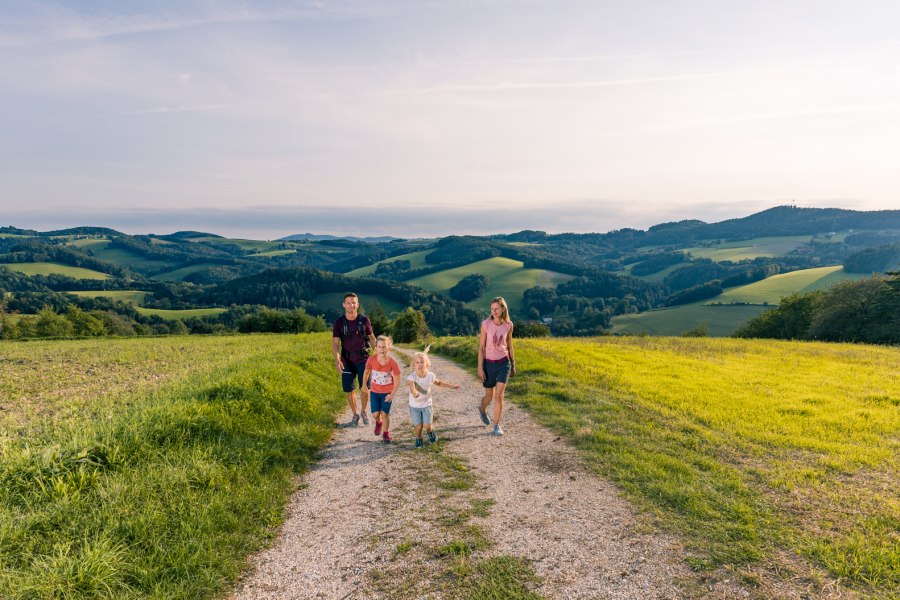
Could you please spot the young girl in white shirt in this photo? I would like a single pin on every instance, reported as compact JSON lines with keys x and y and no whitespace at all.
{"x":421,"y":381}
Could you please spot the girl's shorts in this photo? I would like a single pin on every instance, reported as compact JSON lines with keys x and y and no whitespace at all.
{"x":420,"y":416}
{"x":378,"y":403}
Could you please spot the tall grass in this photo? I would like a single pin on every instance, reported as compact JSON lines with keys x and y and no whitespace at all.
{"x":745,"y":447}
{"x":166,"y":498}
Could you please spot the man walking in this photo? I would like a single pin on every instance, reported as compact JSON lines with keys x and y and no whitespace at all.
{"x":352,"y":335}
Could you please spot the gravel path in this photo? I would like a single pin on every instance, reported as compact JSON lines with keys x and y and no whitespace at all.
{"x":371,"y":520}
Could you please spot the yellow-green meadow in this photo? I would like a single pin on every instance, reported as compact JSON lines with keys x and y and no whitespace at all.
{"x":747,"y":448}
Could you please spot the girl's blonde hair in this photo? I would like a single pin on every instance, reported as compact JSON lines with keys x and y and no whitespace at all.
{"x":388,"y":340}
{"x":504,"y":316}
{"x":424,"y":355}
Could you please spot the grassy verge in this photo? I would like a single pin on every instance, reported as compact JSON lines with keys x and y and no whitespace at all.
{"x":749,"y":449}
{"x":167,"y":496}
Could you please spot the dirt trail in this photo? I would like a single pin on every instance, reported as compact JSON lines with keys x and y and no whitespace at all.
{"x":371,"y":520}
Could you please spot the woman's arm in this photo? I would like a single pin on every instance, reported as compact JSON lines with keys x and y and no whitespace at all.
{"x":509,"y":348}
{"x":482,"y":342}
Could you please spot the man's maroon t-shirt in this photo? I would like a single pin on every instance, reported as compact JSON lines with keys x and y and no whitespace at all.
{"x":353,"y":345}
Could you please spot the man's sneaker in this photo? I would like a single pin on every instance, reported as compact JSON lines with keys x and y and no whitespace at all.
{"x":431,"y":437}
{"x":365,"y":419}
{"x":419,"y":443}
{"x":386,"y":437}
{"x":497,"y":430}
{"x":355,"y":421}
{"x":484,"y":417}
{"x":378,"y":428}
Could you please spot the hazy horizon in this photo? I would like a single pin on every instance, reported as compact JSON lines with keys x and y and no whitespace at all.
{"x":393,"y":117}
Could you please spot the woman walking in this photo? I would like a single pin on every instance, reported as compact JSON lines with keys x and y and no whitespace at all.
{"x":496,"y":360}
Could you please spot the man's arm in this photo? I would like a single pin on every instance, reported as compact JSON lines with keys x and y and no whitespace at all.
{"x":336,"y":351}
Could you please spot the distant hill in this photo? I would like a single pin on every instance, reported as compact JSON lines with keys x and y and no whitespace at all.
{"x":84,"y":231}
{"x":312,"y":237}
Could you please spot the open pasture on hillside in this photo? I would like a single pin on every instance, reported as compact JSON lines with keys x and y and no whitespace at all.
{"x":180,"y":274}
{"x":508,"y":278}
{"x":49,"y":268}
{"x":763,"y":455}
{"x":768,"y":247}
{"x":177,"y":314}
{"x":719,"y":320}
{"x":416,"y":261}
{"x":135,"y":297}
{"x":772,"y":289}
{"x":139,"y":468}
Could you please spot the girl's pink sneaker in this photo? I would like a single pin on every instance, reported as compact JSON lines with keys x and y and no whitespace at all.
{"x":386,"y":437}
{"x":377,"y":427}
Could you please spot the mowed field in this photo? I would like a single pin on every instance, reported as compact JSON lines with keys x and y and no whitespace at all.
{"x":720,"y":321}
{"x":416,"y":260}
{"x":773,"y":289}
{"x":135,"y":297}
{"x":151,"y":468}
{"x":750,"y":249}
{"x":508,"y":278}
{"x":764,"y":456}
{"x":726,"y":312}
{"x":49,"y":268}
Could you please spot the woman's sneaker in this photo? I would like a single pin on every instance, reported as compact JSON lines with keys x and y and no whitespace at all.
{"x":386,"y":437}
{"x":497,"y":430}
{"x":432,"y":437}
{"x":484,"y":417}
{"x":365,"y":419}
{"x":355,"y":421}
{"x":419,"y":443}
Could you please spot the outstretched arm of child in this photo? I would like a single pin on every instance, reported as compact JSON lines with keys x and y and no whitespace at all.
{"x":365,"y":384}
{"x":412,"y":389}
{"x":446,"y":384}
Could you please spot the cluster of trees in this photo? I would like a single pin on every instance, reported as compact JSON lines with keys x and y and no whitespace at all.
{"x":865,"y":310}
{"x":874,"y":260}
{"x":76,"y":322}
{"x":470,"y":287}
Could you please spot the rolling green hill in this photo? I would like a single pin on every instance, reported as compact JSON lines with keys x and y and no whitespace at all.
{"x":508,"y":278}
{"x":731,"y":309}
{"x":135,"y":297}
{"x":180,"y":274}
{"x":179,"y":314}
{"x":47,"y":268}
{"x":416,"y":260}
{"x":720,"y":321}
{"x":367,"y":302}
{"x":773,"y":289}
{"x":749,"y":249}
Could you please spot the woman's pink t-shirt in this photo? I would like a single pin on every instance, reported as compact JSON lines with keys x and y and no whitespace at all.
{"x":495,"y":348}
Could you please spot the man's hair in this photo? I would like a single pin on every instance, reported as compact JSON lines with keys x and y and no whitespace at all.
{"x":350,"y":295}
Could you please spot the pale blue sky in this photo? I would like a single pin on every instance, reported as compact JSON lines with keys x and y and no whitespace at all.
{"x":262,"y":119}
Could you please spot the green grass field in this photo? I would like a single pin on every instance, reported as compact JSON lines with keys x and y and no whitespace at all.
{"x":126,"y":258}
{"x":274,"y":253}
{"x":180,"y":274}
{"x":508,"y":278}
{"x":48,"y":268}
{"x":773,"y":289}
{"x":135,"y":297}
{"x":151,"y":468}
{"x":90,"y":243}
{"x":750,"y":249}
{"x":753,"y":451}
{"x":659,"y":275}
{"x":720,"y":321}
{"x":416,"y":261}
{"x":186,"y":313}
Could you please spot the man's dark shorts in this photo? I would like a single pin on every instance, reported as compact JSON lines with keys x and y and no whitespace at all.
{"x":495,"y":372}
{"x":353,"y":374}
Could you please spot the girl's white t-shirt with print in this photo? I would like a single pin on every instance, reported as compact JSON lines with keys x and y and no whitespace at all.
{"x":423,"y":386}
